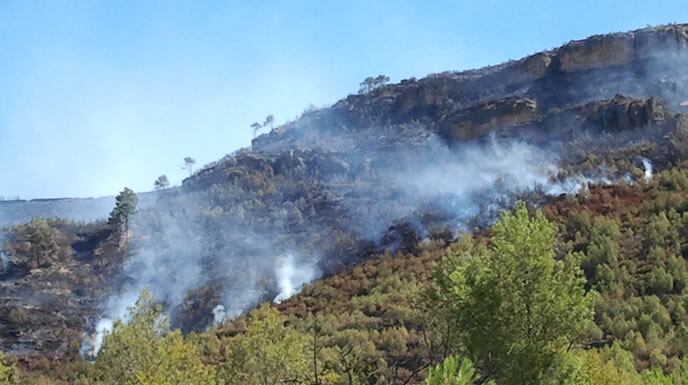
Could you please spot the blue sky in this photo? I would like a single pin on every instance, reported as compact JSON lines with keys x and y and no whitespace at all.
{"x":98,"y":95}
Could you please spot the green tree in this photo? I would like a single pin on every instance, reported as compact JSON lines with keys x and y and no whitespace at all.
{"x":256,"y":127}
{"x":269,"y":121}
{"x":161,"y":183}
{"x":36,"y":243}
{"x":269,"y":352}
{"x":142,"y":351}
{"x":8,"y":373}
{"x":514,"y":306}
{"x":381,"y":80}
{"x":42,"y":241}
{"x":371,"y":83}
{"x":452,"y":372}
{"x":598,"y":369}
{"x":125,"y":207}
{"x":189,"y":164}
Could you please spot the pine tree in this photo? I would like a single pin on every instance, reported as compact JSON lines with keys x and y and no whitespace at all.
{"x":515,"y":307}
{"x":452,"y":372}
{"x":189,"y":163}
{"x":125,"y":207}
{"x":161,"y":183}
{"x":43,"y":241}
{"x":269,"y":121}
{"x":255,"y":127}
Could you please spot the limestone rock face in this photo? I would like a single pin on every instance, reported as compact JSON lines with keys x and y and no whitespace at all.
{"x":623,"y":113}
{"x":597,"y":52}
{"x":653,"y":42}
{"x":643,"y":63}
{"x":537,"y":65}
{"x":622,"y":48}
{"x":490,"y":116}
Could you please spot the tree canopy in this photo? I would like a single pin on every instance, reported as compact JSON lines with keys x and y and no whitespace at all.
{"x":453,"y":372}
{"x":189,"y":164}
{"x":161,"y":183}
{"x":371,"y":83}
{"x":8,"y":373}
{"x":269,"y":352}
{"x":514,"y":306}
{"x":142,"y":351}
{"x":125,"y":207}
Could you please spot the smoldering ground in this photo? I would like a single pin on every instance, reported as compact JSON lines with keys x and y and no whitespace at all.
{"x":215,"y":252}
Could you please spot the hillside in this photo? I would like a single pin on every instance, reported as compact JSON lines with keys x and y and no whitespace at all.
{"x":635,"y":247}
{"x":17,"y":211}
{"x":370,"y":191}
{"x":374,"y":323}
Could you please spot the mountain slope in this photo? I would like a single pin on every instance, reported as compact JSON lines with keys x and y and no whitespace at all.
{"x":390,"y":170}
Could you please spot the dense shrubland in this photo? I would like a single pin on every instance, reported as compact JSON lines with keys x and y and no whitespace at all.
{"x":587,"y":290}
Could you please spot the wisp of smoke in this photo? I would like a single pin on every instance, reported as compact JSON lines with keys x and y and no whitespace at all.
{"x":647,"y":165}
{"x":92,"y":343}
{"x":174,"y":252}
{"x":291,"y":276}
{"x":219,"y":314}
{"x":5,"y":261}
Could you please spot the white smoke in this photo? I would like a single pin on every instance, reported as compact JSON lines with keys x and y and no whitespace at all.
{"x":291,"y":277}
{"x":219,"y":314}
{"x":92,"y":343}
{"x":173,"y":252}
{"x":171,"y":260}
{"x":4,"y":258}
{"x":647,"y":165}
{"x":461,"y":179}
{"x":472,"y":168}
{"x":116,"y":309}
{"x":5,"y":261}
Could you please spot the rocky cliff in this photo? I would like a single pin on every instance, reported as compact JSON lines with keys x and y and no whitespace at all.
{"x":464,"y":105}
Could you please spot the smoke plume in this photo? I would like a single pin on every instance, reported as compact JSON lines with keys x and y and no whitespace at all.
{"x":214,"y":243}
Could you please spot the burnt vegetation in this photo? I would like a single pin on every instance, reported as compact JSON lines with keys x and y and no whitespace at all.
{"x":391,"y":195}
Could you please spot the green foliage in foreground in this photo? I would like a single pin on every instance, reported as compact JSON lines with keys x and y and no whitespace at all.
{"x":143,"y":352}
{"x":514,"y":307}
{"x":453,"y":372}
{"x":8,"y":374}
{"x":269,"y":352}
{"x":609,"y":366}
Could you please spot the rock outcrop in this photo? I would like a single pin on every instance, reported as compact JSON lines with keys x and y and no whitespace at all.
{"x":642,"y":63}
{"x":488,"y":117}
{"x":624,"y":113}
